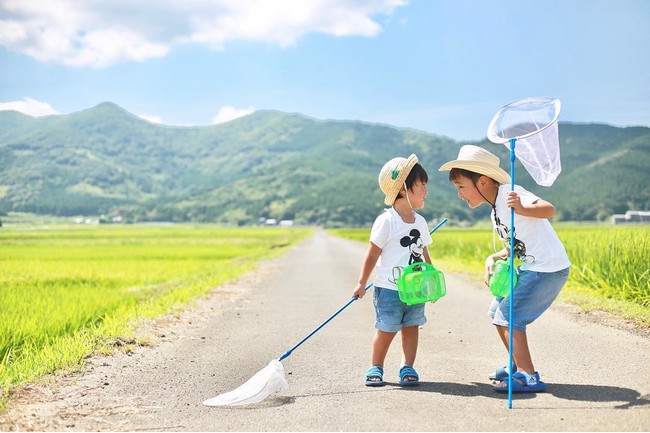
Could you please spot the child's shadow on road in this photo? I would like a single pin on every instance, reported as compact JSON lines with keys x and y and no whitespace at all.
{"x":589,"y":393}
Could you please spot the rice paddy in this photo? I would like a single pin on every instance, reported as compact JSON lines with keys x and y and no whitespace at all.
{"x":608,"y":262}
{"x":67,"y":292}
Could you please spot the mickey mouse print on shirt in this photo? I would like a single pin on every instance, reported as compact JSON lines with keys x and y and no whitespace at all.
{"x":415,"y":244}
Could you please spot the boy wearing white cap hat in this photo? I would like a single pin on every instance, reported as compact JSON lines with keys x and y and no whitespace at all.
{"x":399,"y":237}
{"x":545,"y":264}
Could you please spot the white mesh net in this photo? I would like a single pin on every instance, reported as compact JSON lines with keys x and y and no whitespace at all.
{"x":533,"y":122}
{"x":265,"y":382}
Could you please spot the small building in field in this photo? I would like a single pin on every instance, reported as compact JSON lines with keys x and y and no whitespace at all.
{"x":632,"y":217}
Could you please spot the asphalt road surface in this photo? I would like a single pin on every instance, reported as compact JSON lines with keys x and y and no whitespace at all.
{"x":598,"y":374}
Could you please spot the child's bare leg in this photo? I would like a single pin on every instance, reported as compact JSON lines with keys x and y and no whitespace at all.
{"x":503,"y":333}
{"x":521,"y":351}
{"x":380,"y":344}
{"x":410,"y":336}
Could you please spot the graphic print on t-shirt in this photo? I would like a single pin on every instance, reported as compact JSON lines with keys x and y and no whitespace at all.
{"x":520,"y":247}
{"x":415,"y":244}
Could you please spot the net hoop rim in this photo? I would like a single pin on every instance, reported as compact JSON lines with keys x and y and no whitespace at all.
{"x":500,"y":140}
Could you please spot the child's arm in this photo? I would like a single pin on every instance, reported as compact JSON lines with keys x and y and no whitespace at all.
{"x":427,"y":259}
{"x":372,"y":255}
{"x":425,"y":253}
{"x":538,"y":209}
{"x":489,"y":263}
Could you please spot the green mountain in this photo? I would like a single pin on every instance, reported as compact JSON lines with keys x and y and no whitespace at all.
{"x":269,"y":164}
{"x":604,"y":171}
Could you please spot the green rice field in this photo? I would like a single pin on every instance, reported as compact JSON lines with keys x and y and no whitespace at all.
{"x":69,"y":291}
{"x":610,"y":264}
{"x":66,"y":292}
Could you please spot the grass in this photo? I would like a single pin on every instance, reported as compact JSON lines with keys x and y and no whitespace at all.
{"x":68,"y":292}
{"x":610,"y":264}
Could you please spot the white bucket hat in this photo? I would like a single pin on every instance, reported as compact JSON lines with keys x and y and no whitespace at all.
{"x":478,"y":160}
{"x":393,"y":175}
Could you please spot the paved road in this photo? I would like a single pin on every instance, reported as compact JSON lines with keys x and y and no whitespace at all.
{"x":599,"y":376}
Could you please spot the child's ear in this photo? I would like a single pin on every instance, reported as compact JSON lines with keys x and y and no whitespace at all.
{"x":484,"y":181}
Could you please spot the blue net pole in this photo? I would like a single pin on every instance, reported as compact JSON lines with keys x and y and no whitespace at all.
{"x":512,"y":270}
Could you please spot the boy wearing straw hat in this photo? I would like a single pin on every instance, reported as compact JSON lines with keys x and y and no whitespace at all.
{"x":545,"y":264}
{"x":399,"y":237}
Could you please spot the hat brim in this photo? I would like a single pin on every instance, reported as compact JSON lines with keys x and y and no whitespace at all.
{"x":399,"y":182}
{"x":496,"y":173}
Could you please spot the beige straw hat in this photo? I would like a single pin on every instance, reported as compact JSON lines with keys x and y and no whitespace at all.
{"x":393,"y":175}
{"x":478,"y":160}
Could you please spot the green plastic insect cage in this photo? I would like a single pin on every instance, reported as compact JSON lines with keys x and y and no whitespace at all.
{"x":500,"y":279}
{"x":421,"y":282}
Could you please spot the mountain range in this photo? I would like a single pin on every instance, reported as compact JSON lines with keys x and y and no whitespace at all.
{"x":270,"y":164}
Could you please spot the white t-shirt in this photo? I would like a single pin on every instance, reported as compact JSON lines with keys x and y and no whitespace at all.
{"x":544,"y":251}
{"x":401,"y":245}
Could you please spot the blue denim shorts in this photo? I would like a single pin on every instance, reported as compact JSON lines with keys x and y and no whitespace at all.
{"x":534,"y":293}
{"x":392,"y":314}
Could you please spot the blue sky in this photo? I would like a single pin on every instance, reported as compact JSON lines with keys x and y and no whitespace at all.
{"x":444,"y":67}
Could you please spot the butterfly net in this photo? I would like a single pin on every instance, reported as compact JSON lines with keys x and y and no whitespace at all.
{"x":265,"y":382}
{"x":533,"y":122}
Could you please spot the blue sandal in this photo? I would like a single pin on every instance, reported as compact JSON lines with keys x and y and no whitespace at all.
{"x":502,"y":373}
{"x":525,"y":383}
{"x":375,"y":376}
{"x":408,"y":372}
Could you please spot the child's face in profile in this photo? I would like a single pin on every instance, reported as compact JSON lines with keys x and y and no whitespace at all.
{"x":468,"y":191}
{"x":417,"y":194}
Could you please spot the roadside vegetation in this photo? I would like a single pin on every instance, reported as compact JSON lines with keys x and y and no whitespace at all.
{"x":610,"y":264}
{"x":69,"y":291}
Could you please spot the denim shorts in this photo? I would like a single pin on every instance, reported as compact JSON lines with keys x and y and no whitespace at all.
{"x":534,"y":293}
{"x":392,"y":314}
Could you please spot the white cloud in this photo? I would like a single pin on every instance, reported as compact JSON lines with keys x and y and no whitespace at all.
{"x":152,"y":119}
{"x":227,"y":114}
{"x":29,"y":106}
{"x":100,"y":33}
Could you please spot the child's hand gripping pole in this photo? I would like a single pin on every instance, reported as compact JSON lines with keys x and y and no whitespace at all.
{"x":354,"y":298}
